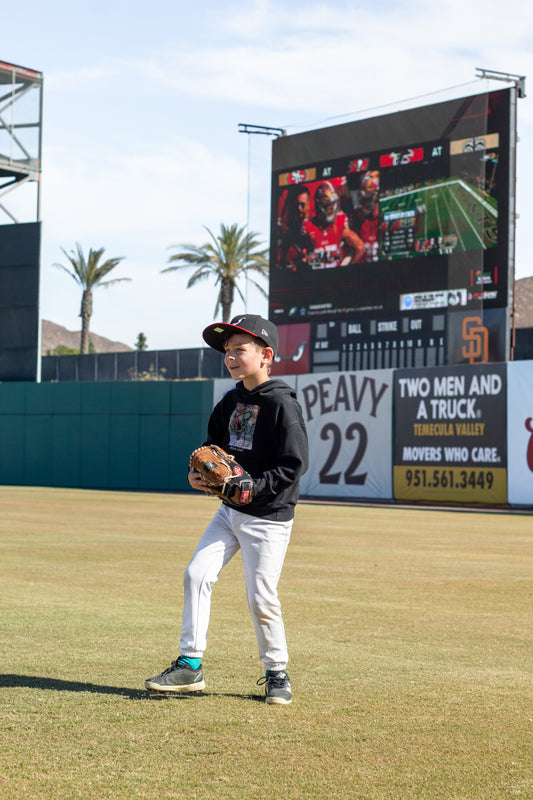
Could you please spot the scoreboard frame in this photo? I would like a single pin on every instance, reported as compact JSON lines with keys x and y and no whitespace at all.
{"x":430,"y":194}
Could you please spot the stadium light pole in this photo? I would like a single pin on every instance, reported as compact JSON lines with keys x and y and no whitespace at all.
{"x":520,"y":86}
{"x":508,"y":77}
{"x":252,"y":130}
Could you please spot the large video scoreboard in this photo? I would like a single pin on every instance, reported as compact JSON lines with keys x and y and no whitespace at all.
{"x":392,"y":239}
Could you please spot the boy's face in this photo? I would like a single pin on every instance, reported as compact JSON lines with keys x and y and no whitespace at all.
{"x":246,"y":359}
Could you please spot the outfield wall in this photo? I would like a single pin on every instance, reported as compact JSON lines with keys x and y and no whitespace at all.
{"x":450,"y":434}
{"x":101,"y":435}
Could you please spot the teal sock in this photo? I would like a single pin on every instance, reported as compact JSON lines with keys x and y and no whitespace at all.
{"x":194,"y":663}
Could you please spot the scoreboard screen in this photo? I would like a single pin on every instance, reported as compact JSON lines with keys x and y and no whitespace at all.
{"x":390,"y":238}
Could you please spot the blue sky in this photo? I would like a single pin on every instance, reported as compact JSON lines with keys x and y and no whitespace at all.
{"x":142,"y":102}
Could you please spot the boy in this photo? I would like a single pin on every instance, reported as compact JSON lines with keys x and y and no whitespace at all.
{"x":260,"y":422}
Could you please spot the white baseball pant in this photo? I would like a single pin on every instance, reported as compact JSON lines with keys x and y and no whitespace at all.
{"x":263,"y":544}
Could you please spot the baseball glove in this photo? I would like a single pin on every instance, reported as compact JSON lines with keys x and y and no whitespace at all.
{"x":222,"y":474}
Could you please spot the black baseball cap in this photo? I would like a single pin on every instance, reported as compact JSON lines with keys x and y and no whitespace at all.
{"x":215,"y":335}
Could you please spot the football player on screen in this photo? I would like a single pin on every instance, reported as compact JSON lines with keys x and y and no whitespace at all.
{"x":333,"y":242}
{"x":295,"y":241}
{"x":364,"y":217}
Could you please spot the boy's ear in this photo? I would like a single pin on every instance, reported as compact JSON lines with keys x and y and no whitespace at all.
{"x":268,"y":353}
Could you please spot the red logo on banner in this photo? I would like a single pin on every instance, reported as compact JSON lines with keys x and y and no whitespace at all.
{"x":529,"y":454}
{"x":402,"y":157}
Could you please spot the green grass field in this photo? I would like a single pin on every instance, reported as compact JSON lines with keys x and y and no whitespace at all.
{"x":451,"y":210}
{"x":410,"y":634}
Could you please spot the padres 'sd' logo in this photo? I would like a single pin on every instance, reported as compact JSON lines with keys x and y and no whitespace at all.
{"x":476,"y":338}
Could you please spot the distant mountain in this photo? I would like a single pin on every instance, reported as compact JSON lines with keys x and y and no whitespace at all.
{"x":54,"y":335}
{"x":524,"y":302}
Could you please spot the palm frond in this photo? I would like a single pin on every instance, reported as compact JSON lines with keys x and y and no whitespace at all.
{"x":105,"y":284}
{"x":258,"y":286}
{"x":89,"y":272}
{"x":226,"y":257}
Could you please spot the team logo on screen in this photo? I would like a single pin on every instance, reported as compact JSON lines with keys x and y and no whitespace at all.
{"x":398,"y":157}
{"x":474,"y":144}
{"x":476,"y":338}
{"x":298,"y":176}
{"x":358,"y":165}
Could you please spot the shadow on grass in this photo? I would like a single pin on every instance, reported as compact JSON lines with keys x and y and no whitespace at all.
{"x":57,"y":685}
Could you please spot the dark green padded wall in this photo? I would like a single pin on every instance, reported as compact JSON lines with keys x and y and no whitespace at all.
{"x":101,"y":435}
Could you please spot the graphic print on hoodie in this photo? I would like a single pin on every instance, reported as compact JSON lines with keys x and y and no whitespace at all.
{"x":242,"y":426}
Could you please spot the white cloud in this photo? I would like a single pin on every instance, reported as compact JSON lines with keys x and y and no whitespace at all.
{"x":338,"y":58}
{"x":117,"y":193}
{"x":141,"y":143}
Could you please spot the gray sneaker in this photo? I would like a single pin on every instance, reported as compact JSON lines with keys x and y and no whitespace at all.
{"x":277,"y":688}
{"x":179,"y":677}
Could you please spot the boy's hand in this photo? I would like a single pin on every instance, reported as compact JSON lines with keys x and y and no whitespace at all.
{"x":197,"y":482}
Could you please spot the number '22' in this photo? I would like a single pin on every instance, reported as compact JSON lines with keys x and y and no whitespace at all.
{"x":333,"y":432}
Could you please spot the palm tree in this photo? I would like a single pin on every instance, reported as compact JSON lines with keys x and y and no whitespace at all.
{"x":227,"y":257}
{"x":89,"y":274}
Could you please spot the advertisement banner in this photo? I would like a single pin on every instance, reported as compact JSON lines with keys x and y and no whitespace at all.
{"x":450,"y":434}
{"x":349,"y":423}
{"x":520,"y":432}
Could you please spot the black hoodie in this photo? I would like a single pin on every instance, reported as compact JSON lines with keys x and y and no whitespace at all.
{"x":265,"y":431}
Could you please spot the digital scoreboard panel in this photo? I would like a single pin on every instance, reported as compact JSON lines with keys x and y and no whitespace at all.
{"x":390,"y":239}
